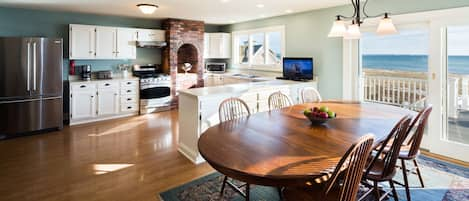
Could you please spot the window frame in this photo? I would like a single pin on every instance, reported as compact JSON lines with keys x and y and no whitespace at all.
{"x":250,"y":65}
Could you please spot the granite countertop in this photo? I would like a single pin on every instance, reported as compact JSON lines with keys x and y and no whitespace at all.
{"x":237,"y":88}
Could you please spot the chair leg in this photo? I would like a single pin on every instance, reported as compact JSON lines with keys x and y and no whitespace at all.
{"x":394,"y":192}
{"x":279,"y":190}
{"x":247,"y":192}
{"x":406,"y":182}
{"x":223,"y":186}
{"x":376,"y":189}
{"x":417,"y":168}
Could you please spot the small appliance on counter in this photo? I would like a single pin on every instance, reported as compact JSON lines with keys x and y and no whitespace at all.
{"x":215,"y":67}
{"x":85,"y":72}
{"x":103,"y":75}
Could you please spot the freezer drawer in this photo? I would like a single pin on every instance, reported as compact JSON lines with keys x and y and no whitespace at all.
{"x":30,"y":115}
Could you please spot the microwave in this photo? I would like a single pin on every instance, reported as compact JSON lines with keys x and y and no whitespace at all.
{"x":215,"y":67}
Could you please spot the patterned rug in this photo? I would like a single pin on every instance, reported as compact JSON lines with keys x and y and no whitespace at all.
{"x":443,"y":182}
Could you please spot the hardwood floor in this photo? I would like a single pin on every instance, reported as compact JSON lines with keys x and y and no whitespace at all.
{"x":130,"y":159}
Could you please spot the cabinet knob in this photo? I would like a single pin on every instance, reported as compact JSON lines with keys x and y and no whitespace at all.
{"x":107,"y":84}
{"x":82,"y":86}
{"x":129,"y":99}
{"x":92,"y":96}
{"x":129,"y":107}
{"x":129,"y":83}
{"x":128,"y":91}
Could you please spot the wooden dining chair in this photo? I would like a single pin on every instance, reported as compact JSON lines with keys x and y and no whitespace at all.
{"x":230,"y":109}
{"x":310,"y":95}
{"x":278,"y":100}
{"x":381,"y":166}
{"x":344,"y":182}
{"x":410,"y":149}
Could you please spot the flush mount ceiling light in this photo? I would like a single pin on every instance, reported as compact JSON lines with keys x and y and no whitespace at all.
{"x":147,"y":8}
{"x":352,"y":31}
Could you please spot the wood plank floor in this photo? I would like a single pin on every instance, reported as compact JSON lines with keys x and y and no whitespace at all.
{"x":130,"y":159}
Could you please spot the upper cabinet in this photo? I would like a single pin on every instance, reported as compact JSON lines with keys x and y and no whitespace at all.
{"x":217,"y":45}
{"x":82,"y":41}
{"x":100,"y":42}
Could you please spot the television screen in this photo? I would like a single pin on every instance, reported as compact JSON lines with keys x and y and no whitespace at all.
{"x":298,"y":68}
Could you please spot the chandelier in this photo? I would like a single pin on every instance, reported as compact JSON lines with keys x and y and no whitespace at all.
{"x":352,"y":31}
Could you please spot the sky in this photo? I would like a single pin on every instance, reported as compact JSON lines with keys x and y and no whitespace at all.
{"x":414,"y":42}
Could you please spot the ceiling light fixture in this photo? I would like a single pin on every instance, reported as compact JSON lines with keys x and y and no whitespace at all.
{"x":147,"y":8}
{"x":339,"y":28}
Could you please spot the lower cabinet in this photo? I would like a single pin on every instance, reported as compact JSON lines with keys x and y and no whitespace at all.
{"x":100,"y":100}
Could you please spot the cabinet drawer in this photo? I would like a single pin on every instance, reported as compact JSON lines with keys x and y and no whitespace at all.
{"x":108,"y":85}
{"x":83,"y":87}
{"x":128,"y":99}
{"x":129,"y":107}
{"x":129,"y":91}
{"x":129,"y":83}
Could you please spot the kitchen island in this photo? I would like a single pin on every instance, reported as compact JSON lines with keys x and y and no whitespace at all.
{"x":198,"y":107}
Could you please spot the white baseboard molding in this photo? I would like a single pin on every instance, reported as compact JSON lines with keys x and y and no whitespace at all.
{"x":194,"y":157}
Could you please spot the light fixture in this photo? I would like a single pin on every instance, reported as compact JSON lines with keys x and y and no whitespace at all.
{"x":147,"y":8}
{"x":353,"y":31}
{"x":386,"y":26}
{"x":260,"y":5}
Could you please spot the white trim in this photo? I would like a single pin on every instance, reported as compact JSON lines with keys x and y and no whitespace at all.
{"x":250,"y":65}
{"x":194,"y":157}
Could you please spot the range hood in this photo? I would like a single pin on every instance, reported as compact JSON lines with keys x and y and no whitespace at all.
{"x":151,"y":44}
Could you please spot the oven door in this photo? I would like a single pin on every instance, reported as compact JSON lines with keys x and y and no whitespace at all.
{"x":155,"y":92}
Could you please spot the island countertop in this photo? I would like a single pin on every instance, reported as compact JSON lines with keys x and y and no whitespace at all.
{"x":239,"y":88}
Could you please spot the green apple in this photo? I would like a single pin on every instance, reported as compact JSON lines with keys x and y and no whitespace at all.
{"x":324,"y":109}
{"x":331,"y":114}
{"x":307,"y":112}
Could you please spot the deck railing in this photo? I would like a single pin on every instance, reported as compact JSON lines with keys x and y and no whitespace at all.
{"x":404,"y":92}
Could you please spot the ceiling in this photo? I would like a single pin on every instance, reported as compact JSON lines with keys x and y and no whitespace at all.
{"x":210,"y":11}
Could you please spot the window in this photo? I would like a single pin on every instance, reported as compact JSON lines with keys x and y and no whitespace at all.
{"x":259,"y":49}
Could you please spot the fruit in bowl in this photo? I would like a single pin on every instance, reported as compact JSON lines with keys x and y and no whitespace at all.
{"x":319,"y":115}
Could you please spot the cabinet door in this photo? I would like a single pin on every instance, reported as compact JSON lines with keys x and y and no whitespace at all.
{"x":126,"y":48}
{"x":215,"y":46}
{"x":206,"y":45}
{"x":108,"y":101}
{"x":83,"y":104}
{"x":81,"y":42}
{"x":106,"y":42}
{"x":226,"y":46}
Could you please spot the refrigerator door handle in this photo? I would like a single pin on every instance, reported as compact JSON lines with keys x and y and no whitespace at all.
{"x":28,"y":87}
{"x":34,"y":66}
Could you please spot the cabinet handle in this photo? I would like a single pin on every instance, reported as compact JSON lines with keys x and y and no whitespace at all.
{"x":129,"y":99}
{"x":92,"y":96}
{"x":107,"y":84}
{"x":128,"y":83}
{"x":82,"y":86}
{"x":129,"y":107}
{"x":128,"y":91}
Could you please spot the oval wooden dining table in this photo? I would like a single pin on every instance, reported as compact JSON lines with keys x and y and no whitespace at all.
{"x":282,"y":148}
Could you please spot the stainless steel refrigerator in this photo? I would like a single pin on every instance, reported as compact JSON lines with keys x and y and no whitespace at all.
{"x":30,"y":85}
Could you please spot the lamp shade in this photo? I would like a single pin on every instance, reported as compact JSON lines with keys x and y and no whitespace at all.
{"x":147,"y":8}
{"x":353,"y":32}
{"x":386,"y":27}
{"x":338,"y":29}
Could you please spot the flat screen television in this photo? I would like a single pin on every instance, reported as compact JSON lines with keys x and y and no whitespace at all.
{"x":298,"y":68}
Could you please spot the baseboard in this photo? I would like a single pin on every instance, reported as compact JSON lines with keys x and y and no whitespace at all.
{"x":444,"y":158}
{"x":91,"y":120}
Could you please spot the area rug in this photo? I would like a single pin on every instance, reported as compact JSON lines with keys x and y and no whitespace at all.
{"x":444,"y":182}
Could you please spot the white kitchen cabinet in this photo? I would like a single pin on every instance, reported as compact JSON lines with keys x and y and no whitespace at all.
{"x":83,"y":102}
{"x":101,"y":42}
{"x":106,"y":42}
{"x":108,"y":101}
{"x":82,"y":41}
{"x":126,"y":43}
{"x":151,"y":35}
{"x":218,"y":45}
{"x":101,"y":100}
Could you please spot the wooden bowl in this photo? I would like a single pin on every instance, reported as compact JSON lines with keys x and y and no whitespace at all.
{"x":317,"y":120}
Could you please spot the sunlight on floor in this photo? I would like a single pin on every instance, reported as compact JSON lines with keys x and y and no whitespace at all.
{"x":117,"y":129}
{"x":100,"y":169}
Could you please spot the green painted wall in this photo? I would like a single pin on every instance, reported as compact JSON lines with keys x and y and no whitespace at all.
{"x":306,"y":34}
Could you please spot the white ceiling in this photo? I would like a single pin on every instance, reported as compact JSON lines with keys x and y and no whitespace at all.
{"x":210,"y":11}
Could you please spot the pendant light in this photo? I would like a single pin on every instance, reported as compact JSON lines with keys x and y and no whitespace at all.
{"x":353,"y":30}
{"x":147,"y":8}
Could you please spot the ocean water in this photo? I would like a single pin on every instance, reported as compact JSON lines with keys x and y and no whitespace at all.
{"x":415,"y":63}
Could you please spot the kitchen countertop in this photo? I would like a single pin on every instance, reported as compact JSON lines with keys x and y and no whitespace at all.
{"x":237,"y":88}
{"x":78,"y":80}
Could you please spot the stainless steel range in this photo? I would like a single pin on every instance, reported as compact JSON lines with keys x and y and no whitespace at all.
{"x":155,"y":89}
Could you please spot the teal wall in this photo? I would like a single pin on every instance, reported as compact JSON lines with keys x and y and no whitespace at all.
{"x":306,"y":35}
